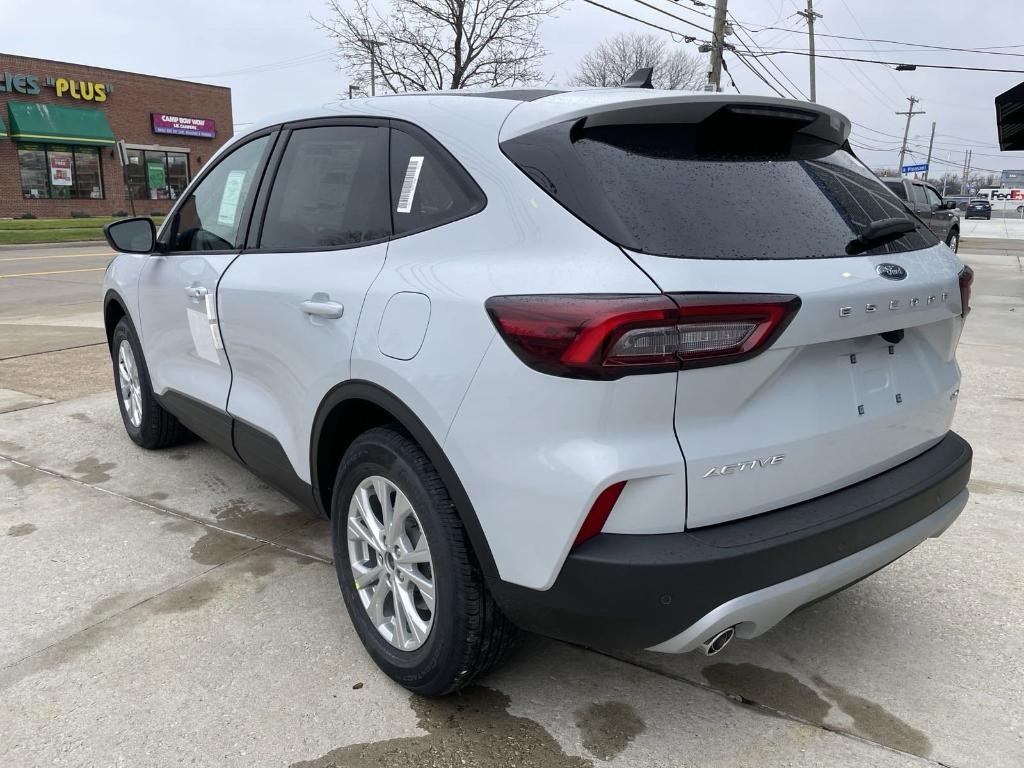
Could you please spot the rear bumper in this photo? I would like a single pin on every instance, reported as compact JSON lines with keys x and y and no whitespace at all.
{"x":669,"y":592}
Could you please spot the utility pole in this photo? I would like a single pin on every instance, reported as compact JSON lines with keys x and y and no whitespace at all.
{"x":810,"y":14}
{"x":906,"y":131}
{"x":967,"y":171}
{"x":928,"y":162}
{"x":371,"y":45}
{"x":717,"y":47}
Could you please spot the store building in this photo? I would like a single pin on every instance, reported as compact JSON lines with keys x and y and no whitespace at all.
{"x":60,"y":125}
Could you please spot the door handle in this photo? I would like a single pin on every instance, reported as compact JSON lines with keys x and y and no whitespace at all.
{"x":322,"y":306}
{"x":196,"y":291}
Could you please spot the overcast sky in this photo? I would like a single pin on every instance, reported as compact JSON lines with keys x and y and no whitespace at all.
{"x":273,"y":57}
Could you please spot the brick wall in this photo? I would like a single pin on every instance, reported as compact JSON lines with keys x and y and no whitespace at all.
{"x":128,"y":110}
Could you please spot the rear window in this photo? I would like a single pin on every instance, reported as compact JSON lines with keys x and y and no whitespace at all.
{"x":670,"y":190}
{"x":897,"y":188}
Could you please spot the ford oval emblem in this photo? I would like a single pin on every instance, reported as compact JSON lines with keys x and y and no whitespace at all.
{"x":891,"y":271}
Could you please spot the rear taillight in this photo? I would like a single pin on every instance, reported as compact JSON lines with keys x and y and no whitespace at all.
{"x":966,"y":281}
{"x":610,"y":336}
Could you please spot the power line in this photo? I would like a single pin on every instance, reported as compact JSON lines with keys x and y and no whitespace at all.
{"x":625,"y":15}
{"x":673,"y":16}
{"x":991,"y":50}
{"x":296,"y":61}
{"x":761,"y":77}
{"x":896,"y":63}
{"x":739,"y":27}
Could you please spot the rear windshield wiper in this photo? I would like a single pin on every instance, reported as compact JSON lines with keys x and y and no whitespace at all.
{"x":880,"y":232}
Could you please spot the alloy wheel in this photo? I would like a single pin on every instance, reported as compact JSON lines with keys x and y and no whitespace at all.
{"x":128,"y":378}
{"x":391,"y":563}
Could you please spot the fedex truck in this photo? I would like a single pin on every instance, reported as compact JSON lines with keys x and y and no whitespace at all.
{"x":1004,"y":199}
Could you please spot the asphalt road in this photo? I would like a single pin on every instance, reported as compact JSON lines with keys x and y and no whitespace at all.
{"x":168,"y":608}
{"x":50,"y":297}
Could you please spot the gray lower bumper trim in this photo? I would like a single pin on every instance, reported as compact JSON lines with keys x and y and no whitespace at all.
{"x":757,"y":612}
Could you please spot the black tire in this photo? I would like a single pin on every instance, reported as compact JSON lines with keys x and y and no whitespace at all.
{"x":953,"y":240}
{"x":157,"y":427}
{"x":469,"y":634}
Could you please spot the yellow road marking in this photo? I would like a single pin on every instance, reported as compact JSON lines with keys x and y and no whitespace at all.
{"x":57,"y":256}
{"x":56,"y":272}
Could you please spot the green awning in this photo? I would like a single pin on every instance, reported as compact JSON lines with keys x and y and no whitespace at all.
{"x":55,"y":124}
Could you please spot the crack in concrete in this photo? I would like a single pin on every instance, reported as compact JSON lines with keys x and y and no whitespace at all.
{"x":51,"y":351}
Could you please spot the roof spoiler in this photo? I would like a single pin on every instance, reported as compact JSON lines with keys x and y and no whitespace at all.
{"x":639,"y":106}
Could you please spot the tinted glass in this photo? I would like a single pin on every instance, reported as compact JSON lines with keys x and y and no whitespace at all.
{"x":920,"y":198}
{"x":330,"y":190}
{"x":678,"y":192}
{"x":897,"y":188}
{"x":136,"y":171}
{"x":87,"y":173}
{"x":177,"y":173}
{"x":34,"y":182}
{"x":428,"y":187}
{"x":209,"y":219}
{"x":933,"y":197}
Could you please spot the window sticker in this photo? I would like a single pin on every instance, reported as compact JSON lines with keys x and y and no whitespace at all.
{"x":202,"y":340}
{"x":229,"y":200}
{"x":412,"y":176}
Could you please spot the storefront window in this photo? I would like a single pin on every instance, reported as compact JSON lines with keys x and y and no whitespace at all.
{"x":87,"y":173}
{"x":34,"y":182}
{"x":177,"y":173}
{"x":137,"y":176}
{"x":60,"y":172}
{"x":157,"y":175}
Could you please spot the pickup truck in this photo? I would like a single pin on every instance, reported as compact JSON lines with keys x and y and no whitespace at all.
{"x":940,"y":215}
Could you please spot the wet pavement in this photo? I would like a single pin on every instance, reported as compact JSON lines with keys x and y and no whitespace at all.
{"x":169,"y":608}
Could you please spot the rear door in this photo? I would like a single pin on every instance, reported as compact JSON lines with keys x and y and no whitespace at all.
{"x":178,"y":287}
{"x":942,"y":219}
{"x":289,"y":305}
{"x":922,"y":206}
{"x":864,"y":376}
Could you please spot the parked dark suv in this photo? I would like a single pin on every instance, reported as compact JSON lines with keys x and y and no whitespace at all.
{"x":941,"y":216}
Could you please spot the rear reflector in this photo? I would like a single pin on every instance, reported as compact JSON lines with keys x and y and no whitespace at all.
{"x":966,"y":282}
{"x":598,"y":514}
{"x":610,"y":336}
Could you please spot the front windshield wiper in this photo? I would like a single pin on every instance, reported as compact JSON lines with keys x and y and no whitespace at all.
{"x":878,"y":233}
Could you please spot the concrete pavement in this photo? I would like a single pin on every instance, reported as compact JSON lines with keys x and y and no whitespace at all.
{"x":168,"y":608}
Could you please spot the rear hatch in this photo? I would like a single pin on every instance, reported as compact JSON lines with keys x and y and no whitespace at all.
{"x":715,"y":196}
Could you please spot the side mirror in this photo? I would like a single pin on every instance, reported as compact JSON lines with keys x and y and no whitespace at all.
{"x":136,"y":235}
{"x":949,"y":205}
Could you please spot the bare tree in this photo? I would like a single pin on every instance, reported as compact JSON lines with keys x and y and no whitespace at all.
{"x":426,"y":45}
{"x":618,"y":57}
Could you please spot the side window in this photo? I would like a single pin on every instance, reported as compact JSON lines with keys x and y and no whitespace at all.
{"x":898,"y":188}
{"x":919,"y":196}
{"x":209,"y":219}
{"x":330,"y":190}
{"x":428,"y":187}
{"x":933,"y":196}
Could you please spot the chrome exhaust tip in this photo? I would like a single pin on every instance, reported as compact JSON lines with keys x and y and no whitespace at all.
{"x":716,"y":644}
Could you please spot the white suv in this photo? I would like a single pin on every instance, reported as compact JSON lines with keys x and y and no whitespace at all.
{"x":630,"y":368}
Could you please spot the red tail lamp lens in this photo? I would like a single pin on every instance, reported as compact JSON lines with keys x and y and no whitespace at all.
{"x":607,"y":337}
{"x":966,"y":282}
